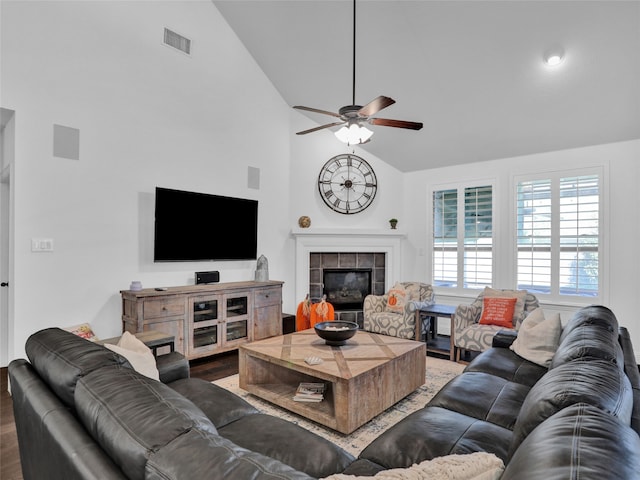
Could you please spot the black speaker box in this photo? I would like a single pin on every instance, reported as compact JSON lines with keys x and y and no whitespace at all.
{"x":207,"y":277}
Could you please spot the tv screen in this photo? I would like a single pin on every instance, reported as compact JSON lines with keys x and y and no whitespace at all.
{"x":193,"y":226}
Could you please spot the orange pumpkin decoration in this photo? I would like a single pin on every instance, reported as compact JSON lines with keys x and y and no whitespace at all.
{"x":303,"y":314}
{"x":322,"y":312}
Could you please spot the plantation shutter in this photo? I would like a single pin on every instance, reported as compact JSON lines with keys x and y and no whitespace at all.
{"x":445,"y":238}
{"x":463,"y":256}
{"x":478,"y":237}
{"x":558,"y":235}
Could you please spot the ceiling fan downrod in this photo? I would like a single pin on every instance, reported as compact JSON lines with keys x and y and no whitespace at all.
{"x":353,"y":97}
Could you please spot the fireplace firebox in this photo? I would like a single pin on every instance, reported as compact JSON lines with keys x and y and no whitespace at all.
{"x":346,"y":288}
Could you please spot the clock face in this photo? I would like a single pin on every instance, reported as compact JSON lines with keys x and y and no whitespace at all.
{"x":347,"y":184}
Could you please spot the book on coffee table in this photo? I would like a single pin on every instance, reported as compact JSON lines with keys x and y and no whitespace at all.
{"x":309,"y":392}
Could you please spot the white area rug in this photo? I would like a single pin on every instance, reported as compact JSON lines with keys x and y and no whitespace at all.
{"x":439,"y":372}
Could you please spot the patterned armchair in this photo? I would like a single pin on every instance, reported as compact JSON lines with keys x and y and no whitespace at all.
{"x":470,"y":335}
{"x":378,"y":319}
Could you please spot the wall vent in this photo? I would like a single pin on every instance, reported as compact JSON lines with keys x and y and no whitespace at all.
{"x":177,"y":41}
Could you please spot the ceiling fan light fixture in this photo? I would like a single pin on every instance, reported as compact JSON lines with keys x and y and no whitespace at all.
{"x":354,"y":134}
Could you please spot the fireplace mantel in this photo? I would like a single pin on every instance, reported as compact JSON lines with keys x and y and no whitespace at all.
{"x":346,"y":232}
{"x":322,"y":240}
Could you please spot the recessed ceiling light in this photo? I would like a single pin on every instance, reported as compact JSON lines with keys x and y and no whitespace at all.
{"x":553,"y":57}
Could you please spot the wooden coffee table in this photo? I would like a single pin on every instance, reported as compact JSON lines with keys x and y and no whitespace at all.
{"x":363,"y":378}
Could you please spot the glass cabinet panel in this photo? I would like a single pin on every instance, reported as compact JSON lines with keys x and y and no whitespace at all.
{"x":237,"y":306}
{"x":236,"y":330}
{"x":205,"y":336}
{"x":205,"y":310}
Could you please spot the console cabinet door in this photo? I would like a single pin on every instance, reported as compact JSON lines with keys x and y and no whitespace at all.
{"x":204,"y":330}
{"x":267,"y":313}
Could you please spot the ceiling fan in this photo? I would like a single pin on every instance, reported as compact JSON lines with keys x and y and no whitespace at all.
{"x":352,"y":117}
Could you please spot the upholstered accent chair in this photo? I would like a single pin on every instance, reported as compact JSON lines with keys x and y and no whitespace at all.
{"x":401,"y":321}
{"x":470,"y":335}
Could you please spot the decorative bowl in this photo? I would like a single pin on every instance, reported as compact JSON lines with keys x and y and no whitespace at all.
{"x":336,"y":333}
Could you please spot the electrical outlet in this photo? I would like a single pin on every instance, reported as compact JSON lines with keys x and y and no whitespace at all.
{"x":42,"y":244}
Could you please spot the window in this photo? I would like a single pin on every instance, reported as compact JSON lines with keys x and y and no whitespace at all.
{"x":463,"y":256}
{"x":558,"y":235}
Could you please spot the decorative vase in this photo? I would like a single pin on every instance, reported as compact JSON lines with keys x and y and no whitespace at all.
{"x":262,"y":269}
{"x":304,"y":222}
{"x":393,"y":224}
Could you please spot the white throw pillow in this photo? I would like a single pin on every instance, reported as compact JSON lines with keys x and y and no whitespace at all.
{"x":474,"y":466}
{"x":139,"y":355}
{"x":538,"y":337}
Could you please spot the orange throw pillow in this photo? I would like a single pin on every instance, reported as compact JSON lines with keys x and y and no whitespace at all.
{"x":498,"y":311}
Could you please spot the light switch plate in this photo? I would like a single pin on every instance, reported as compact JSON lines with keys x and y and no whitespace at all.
{"x":42,"y":244}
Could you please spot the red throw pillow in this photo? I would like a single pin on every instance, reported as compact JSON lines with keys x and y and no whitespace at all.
{"x":498,"y":311}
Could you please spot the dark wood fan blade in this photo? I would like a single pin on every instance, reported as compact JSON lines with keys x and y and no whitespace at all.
{"x":375,"y":105}
{"x":387,"y":122}
{"x":309,"y":109}
{"x":315,"y":129}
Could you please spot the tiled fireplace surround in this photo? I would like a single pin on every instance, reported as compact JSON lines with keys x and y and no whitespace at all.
{"x":346,"y":248}
{"x":319,"y":261}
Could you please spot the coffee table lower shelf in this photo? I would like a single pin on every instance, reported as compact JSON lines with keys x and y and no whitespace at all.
{"x":282,"y":395}
{"x":363,"y":378}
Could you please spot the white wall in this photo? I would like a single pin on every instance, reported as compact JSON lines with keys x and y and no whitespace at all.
{"x":621,"y":166}
{"x":147,"y":116}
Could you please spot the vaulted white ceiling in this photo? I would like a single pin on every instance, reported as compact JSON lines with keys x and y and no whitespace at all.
{"x":471,"y":71}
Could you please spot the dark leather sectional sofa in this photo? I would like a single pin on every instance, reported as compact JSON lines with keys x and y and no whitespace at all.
{"x":83,"y":413}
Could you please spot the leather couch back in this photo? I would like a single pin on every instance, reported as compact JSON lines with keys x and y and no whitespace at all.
{"x":587,"y":368}
{"x":62,"y":358}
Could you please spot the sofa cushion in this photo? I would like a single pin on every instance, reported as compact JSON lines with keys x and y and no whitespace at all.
{"x":592,"y":333}
{"x":596,"y":382}
{"x":203,"y":455}
{"x":289,"y":443}
{"x":483,"y":396}
{"x":62,"y":358}
{"x":538,"y":337}
{"x":131,"y":415}
{"x":497,"y":311}
{"x":218,"y":404}
{"x":433,"y":432}
{"x":580,"y":441}
{"x":504,"y":363}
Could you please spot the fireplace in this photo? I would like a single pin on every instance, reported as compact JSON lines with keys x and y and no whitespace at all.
{"x":346,"y":278}
{"x":318,"y":249}
{"x":346,"y":288}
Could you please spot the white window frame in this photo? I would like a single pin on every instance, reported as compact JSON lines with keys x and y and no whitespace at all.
{"x":555,"y":297}
{"x":460,"y":187}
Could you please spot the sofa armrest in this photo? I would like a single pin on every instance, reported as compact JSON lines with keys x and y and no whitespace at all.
{"x":375,"y":303}
{"x":504,"y":338}
{"x":172,"y":366}
{"x":466,"y":315}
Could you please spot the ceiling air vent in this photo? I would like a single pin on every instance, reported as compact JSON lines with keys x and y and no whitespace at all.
{"x":177,"y":41}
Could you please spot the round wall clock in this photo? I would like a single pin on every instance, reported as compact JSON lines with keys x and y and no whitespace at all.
{"x":347,"y":184}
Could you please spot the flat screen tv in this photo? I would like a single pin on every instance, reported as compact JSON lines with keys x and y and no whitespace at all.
{"x":192,"y":226}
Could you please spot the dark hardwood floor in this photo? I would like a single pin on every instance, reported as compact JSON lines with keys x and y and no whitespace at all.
{"x":210,"y":368}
